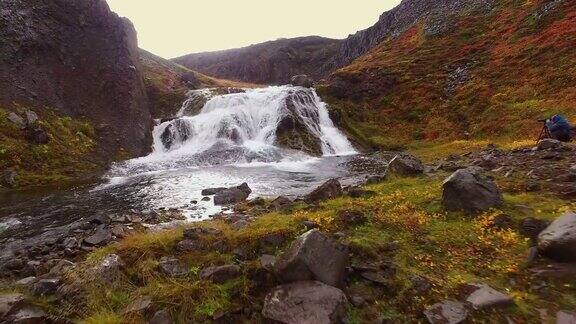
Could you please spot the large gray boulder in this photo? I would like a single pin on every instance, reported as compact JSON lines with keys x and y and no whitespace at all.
{"x":305,"y":302}
{"x":406,"y":165}
{"x":329,"y":190}
{"x":558,"y":241}
{"x":232,"y":195}
{"x":314,"y":256}
{"x":470,"y":190}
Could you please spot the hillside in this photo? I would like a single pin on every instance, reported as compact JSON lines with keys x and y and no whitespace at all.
{"x":273,"y":62}
{"x":485,"y":74}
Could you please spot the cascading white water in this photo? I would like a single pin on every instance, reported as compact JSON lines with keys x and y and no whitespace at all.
{"x":241,"y":128}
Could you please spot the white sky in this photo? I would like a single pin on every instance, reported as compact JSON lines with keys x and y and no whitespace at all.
{"x":171,"y":28}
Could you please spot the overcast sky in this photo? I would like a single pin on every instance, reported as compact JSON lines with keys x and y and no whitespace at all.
{"x":171,"y":28}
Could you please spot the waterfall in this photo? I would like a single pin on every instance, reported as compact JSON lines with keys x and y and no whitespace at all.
{"x":254,"y":125}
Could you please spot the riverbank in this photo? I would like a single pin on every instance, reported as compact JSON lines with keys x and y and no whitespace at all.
{"x":406,"y":253}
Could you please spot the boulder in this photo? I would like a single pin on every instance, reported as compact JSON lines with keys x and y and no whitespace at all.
{"x":212,"y":191}
{"x":531,"y":227}
{"x":139,"y":306}
{"x":351,"y":217}
{"x":161,"y":317}
{"x":406,"y":165}
{"x":240,"y":224}
{"x":189,"y":245}
{"x":37,"y":135}
{"x":281,"y":204}
{"x":17,"y":120}
{"x":305,"y":302}
{"x":46,"y":287}
{"x":8,"y":178}
{"x":314,"y":256}
{"x":10,"y":303}
{"x":221,"y":274}
{"x":446,"y":312}
{"x":61,"y":267}
{"x":172,"y":267}
{"x":484,"y":296}
{"x":31,"y":117}
{"x":564,"y":317}
{"x":233,"y":195}
{"x":29,"y":315}
{"x":302,"y":80}
{"x":558,"y":241}
{"x":329,"y":190}
{"x":548,"y":143}
{"x":267,"y":262}
{"x":110,"y":268}
{"x":101,"y":236}
{"x":470,"y":190}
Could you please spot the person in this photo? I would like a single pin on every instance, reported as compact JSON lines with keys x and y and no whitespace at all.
{"x":559,"y":128}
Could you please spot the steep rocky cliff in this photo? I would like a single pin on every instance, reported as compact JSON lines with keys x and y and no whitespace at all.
{"x":80,"y":59}
{"x":273,"y":62}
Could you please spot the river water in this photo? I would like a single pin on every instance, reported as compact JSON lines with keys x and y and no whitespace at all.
{"x":230,"y":141}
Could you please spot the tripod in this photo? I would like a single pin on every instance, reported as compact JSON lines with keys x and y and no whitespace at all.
{"x":545,"y":133}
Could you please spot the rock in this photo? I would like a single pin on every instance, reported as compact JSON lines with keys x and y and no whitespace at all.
{"x":309,"y":225}
{"x":357,"y":301}
{"x":564,"y":317}
{"x":17,"y":120}
{"x":406,"y":165}
{"x":376,"y":277}
{"x":205,"y":199}
{"x":238,"y":225}
{"x":314,"y":256}
{"x":31,"y":117}
{"x":29,"y":315}
{"x":61,"y":267}
{"x":71,"y":243}
{"x":212,"y":191}
{"x":305,"y":302}
{"x":26,"y":282}
{"x":37,"y":136}
{"x":101,"y":219}
{"x":548,"y":143}
{"x":118,"y":231}
{"x":420,"y":285}
{"x":221,"y":274}
{"x":110,"y":269}
{"x":140,"y":306}
{"x":46,"y":287}
{"x":8,"y":178}
{"x":273,"y":240}
{"x":351,"y":217}
{"x":375,"y":179}
{"x":471,"y":191}
{"x":232,"y":195}
{"x":446,"y":312}
{"x":532,"y":227}
{"x":267,"y":262}
{"x":172,"y":267}
{"x":532,"y":255}
{"x":329,"y":190}
{"x":102,"y":236}
{"x":484,"y":296}
{"x":558,"y":241}
{"x":281,"y":204}
{"x":302,"y":81}
{"x":10,"y":303}
{"x":161,"y":317}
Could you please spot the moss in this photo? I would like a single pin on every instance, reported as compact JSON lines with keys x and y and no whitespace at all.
{"x":65,"y":158}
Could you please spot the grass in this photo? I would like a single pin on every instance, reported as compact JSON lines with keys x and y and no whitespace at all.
{"x":406,"y":226}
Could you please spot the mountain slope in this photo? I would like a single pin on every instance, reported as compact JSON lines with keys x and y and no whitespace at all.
{"x":273,"y":62}
{"x":486,"y":74}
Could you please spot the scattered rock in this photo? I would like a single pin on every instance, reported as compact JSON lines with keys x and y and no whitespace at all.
{"x":71,"y":243}
{"x":470,"y":190}
{"x":446,"y":312}
{"x":314,"y":256}
{"x":189,"y":245}
{"x":46,"y":287}
{"x":309,"y":225}
{"x":420,"y":285}
{"x":61,"y":267}
{"x":232,"y":195}
{"x":31,"y":117}
{"x":172,"y":267}
{"x":28,"y":315}
{"x":375,"y":179}
{"x":532,"y":227}
{"x":351,"y":217}
{"x":548,"y":143}
{"x":221,"y":274}
{"x":110,"y":269}
{"x":17,"y":120}
{"x":26,"y":282}
{"x":564,"y":317}
{"x":10,"y":303}
{"x":37,"y":135}
{"x":302,"y":81}
{"x":532,"y":255}
{"x":329,"y":190}
{"x":238,"y":225}
{"x":406,"y":165}
{"x":212,"y":191}
{"x":267,"y":262}
{"x":484,"y":296}
{"x":140,"y":306}
{"x":8,"y":178}
{"x":281,"y":204}
{"x":102,"y":236}
{"x":558,"y":241}
{"x":305,"y":302}
{"x":161,"y":317}
{"x":357,"y":301}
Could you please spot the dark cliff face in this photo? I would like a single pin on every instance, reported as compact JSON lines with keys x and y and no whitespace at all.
{"x":272,"y":62}
{"x":78,"y":58}
{"x":433,"y":13}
